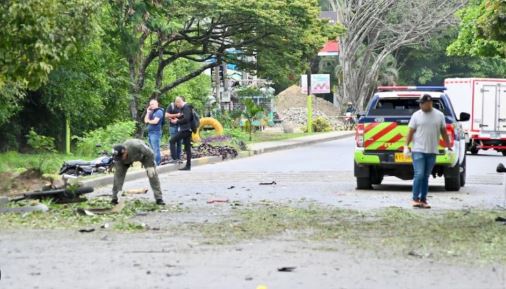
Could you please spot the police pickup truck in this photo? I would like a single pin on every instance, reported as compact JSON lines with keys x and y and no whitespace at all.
{"x":381,"y":134}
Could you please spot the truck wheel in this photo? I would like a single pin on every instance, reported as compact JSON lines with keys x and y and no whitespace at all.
{"x":452,"y":178}
{"x":463,"y":173}
{"x":364,"y":184}
{"x":376,"y":179}
{"x":474,"y":150}
{"x":503,"y":153}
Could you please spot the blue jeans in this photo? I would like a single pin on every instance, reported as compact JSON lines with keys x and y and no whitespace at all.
{"x":175,"y":148}
{"x":154,"y":142}
{"x":422,"y":165}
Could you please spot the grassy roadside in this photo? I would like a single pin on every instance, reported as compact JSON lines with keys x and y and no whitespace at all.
{"x":67,"y":216}
{"x":468,"y":236}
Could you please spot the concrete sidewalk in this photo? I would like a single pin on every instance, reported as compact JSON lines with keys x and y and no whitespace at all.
{"x":253,"y":149}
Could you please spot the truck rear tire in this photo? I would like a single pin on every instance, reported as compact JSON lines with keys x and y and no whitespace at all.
{"x":503,"y":153}
{"x":452,"y":178}
{"x":463,"y":173}
{"x":364,"y":184}
{"x":474,"y":150}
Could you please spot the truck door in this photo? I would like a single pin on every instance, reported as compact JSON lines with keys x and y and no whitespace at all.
{"x":501,"y":98}
{"x":489,"y":108}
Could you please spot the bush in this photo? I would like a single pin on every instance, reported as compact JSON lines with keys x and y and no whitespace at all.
{"x":320,"y":124}
{"x":111,"y":135}
{"x":40,"y":143}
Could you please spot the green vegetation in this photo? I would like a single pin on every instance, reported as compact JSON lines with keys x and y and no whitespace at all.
{"x":482,"y":29}
{"x":320,"y":124}
{"x":66,"y":216}
{"x":15,"y":162}
{"x":105,"y":137}
{"x":470,"y":236}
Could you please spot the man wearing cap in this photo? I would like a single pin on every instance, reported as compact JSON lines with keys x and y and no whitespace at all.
{"x":125,"y":154}
{"x":425,"y":128}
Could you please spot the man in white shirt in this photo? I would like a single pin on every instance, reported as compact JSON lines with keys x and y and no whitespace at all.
{"x":425,"y":128}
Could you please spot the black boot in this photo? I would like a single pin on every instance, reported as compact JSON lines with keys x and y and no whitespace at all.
{"x":185,"y":168}
{"x":160,"y":202}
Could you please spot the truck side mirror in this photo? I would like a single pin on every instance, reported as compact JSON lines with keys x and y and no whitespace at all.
{"x":464,"y":116}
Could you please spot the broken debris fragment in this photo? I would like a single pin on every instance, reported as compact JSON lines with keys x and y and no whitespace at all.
{"x":212,"y":201}
{"x":86,"y":230}
{"x":286,"y":269}
{"x":268,"y":184}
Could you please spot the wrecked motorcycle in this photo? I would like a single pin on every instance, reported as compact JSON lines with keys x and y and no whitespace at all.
{"x":104,"y":163}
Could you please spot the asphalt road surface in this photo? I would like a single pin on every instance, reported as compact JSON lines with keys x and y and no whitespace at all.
{"x":321,"y":173}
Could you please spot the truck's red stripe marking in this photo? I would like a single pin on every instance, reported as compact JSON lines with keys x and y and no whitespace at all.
{"x":392,"y":140}
{"x":370,"y":126}
{"x":383,"y":132}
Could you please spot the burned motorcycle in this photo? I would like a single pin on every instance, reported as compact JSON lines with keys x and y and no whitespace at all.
{"x":104,"y":163}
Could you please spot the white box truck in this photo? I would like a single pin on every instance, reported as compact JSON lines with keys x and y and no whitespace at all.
{"x":485,"y":100}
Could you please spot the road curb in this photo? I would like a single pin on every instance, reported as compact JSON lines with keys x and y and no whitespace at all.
{"x":299,"y":144}
{"x":141,"y":173}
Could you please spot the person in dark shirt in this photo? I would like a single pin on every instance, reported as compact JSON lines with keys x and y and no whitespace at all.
{"x":185,"y":131}
{"x":171,"y":112}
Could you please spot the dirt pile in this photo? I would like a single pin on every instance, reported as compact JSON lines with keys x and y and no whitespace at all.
{"x":291,"y":107}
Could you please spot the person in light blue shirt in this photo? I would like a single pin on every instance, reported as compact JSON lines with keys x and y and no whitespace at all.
{"x":154,"y":120}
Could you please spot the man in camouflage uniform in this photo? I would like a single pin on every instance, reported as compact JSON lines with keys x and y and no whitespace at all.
{"x":125,"y":154}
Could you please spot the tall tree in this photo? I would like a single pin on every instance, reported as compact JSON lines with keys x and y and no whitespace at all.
{"x":160,"y":33}
{"x":482,"y":29}
{"x":377,"y":28}
{"x":429,"y":64}
{"x":36,"y":35}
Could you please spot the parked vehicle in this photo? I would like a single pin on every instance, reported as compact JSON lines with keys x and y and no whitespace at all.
{"x":485,"y":100}
{"x":104,"y":163}
{"x":381,"y":134}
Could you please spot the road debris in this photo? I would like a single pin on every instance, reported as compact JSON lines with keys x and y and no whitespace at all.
{"x":286,"y":269}
{"x":134,"y":192}
{"x":231,"y":187}
{"x":268,"y":184}
{"x":27,"y":209}
{"x":86,"y":230}
{"x":212,"y":201}
{"x":501,"y":219}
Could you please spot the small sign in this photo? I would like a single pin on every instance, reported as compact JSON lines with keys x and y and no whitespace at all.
{"x":320,"y":83}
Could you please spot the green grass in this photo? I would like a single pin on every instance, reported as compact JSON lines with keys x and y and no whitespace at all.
{"x":469,"y":236}
{"x":49,"y":163}
{"x":65,"y":216}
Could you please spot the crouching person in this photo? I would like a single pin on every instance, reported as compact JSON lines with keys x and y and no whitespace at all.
{"x":134,"y":150}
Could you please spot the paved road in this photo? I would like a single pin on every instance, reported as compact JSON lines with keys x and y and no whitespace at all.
{"x":323,"y":173}
{"x":171,"y":259}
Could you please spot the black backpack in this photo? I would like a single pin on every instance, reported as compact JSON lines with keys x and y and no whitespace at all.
{"x":163,"y":115}
{"x":195,"y":122}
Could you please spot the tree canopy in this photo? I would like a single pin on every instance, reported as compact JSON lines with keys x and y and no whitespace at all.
{"x":482,"y":29}
{"x":212,"y":32}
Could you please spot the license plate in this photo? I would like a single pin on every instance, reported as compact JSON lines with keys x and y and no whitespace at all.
{"x":401,"y":158}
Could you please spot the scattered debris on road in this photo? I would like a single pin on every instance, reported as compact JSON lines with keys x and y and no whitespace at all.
{"x":134,"y":192}
{"x":212,"y":201}
{"x":268,"y":184}
{"x":86,"y":230}
{"x":286,"y":269}
{"x":501,"y":219}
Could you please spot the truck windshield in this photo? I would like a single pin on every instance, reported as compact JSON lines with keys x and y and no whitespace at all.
{"x":403,"y":107}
